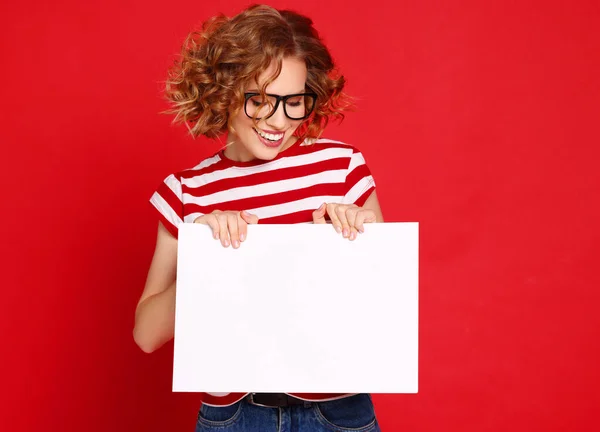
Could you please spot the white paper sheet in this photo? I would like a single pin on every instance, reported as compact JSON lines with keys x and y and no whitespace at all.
{"x":298,"y":309}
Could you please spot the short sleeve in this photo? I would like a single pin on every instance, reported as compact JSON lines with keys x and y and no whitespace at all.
{"x":359,"y":182}
{"x":168,"y":200}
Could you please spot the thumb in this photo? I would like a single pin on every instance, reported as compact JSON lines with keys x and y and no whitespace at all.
{"x":319,"y":214}
{"x":249,"y":218}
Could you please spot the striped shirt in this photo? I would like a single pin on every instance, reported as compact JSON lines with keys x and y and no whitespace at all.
{"x":285,"y":190}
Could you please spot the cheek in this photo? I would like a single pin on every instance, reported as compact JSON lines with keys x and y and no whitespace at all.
{"x":241,"y":124}
{"x":294,"y":125}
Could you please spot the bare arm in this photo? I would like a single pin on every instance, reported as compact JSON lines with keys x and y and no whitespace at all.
{"x":372,"y":203}
{"x":155,"y":312}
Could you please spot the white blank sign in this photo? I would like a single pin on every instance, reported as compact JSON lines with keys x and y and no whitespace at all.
{"x":298,"y":309}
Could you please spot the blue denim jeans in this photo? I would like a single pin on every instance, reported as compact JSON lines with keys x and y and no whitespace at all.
{"x":354,"y":413}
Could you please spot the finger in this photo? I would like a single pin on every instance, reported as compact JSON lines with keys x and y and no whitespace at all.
{"x":319,"y":214}
{"x":335,"y":220}
{"x":351,"y":213}
{"x":234,"y":233}
{"x":340,"y":211}
{"x":213,"y":223}
{"x":223,"y":231}
{"x":364,"y":216}
{"x":242,"y":226}
{"x":249,"y":218}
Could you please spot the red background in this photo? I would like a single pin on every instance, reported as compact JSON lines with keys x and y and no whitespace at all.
{"x":478,"y":119}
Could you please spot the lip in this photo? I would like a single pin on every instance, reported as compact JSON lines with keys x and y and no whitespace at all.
{"x":272,"y":132}
{"x":270,"y":144}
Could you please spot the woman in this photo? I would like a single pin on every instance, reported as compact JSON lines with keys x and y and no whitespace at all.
{"x":266,"y":80}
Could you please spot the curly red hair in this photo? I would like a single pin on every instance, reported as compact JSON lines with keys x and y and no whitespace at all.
{"x":206,"y":85}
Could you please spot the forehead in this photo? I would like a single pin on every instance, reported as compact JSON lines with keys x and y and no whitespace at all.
{"x":292,"y":78}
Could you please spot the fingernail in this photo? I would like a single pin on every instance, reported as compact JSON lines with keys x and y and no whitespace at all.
{"x":217,"y":235}
{"x":322,"y":206}
{"x":361,"y":230}
{"x":338,"y":229}
{"x":242,"y":237}
{"x":352,"y":235}
{"x":236,"y":244}
{"x":226,"y":243}
{"x":345,"y":232}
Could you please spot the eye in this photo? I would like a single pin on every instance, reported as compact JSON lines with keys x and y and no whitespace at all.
{"x":256,"y":101}
{"x":295,"y":102}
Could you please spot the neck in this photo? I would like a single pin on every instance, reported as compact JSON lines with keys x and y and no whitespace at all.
{"x":237,"y":152}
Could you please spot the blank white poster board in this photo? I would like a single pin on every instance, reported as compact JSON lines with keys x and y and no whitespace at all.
{"x":297,"y":309}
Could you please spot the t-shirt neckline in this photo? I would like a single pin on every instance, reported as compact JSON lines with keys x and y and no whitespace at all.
{"x":290,"y":151}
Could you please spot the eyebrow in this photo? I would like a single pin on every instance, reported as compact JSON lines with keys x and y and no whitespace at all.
{"x":257,"y":91}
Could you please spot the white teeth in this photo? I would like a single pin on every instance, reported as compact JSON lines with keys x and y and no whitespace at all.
{"x":270,"y":137}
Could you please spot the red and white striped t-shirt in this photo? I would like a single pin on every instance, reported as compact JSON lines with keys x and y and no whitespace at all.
{"x":284,"y":190}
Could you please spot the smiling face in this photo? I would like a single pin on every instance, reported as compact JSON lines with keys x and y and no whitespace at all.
{"x":274,"y":134}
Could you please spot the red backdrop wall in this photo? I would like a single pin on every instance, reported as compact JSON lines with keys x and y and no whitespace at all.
{"x":478,"y":119}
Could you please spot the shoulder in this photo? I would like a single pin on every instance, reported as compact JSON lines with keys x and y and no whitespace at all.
{"x":208,"y":165}
{"x":206,"y":171}
{"x":336,"y":149}
{"x":317,"y":144}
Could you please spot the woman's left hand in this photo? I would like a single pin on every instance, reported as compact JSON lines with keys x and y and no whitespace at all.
{"x":347,"y":219}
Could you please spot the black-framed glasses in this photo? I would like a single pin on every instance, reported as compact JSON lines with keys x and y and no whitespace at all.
{"x":295,"y":106}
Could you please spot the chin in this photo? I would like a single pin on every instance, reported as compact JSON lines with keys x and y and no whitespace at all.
{"x":260,"y":151}
{"x":266,"y":154}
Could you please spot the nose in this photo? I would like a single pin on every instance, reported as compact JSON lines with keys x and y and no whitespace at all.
{"x":278,"y":120}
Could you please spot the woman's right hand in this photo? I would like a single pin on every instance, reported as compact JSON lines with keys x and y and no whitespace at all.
{"x":228,"y":226}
